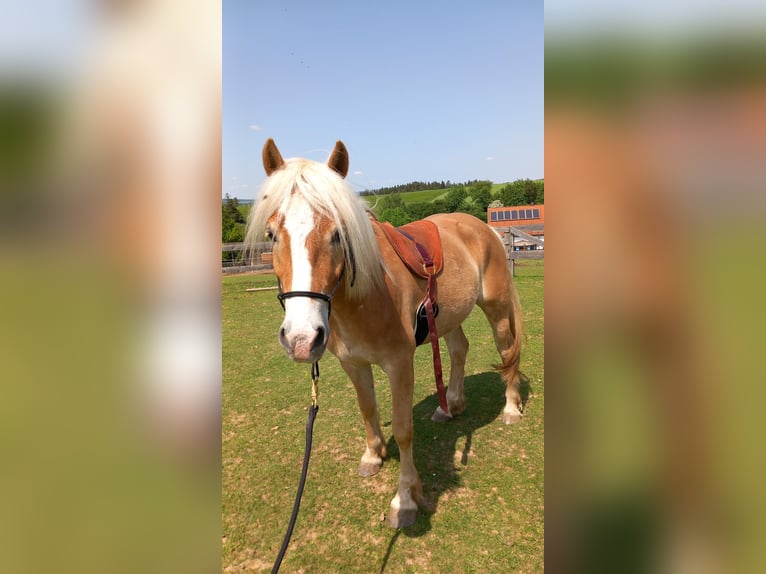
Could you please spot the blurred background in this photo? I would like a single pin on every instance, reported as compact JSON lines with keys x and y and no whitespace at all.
{"x":110,"y":312}
{"x":109,"y":299}
{"x":655,"y":127}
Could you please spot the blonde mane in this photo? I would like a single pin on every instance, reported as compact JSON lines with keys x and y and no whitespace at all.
{"x":329,"y":195}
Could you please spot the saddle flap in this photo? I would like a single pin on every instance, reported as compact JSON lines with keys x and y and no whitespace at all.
{"x":418,"y":245}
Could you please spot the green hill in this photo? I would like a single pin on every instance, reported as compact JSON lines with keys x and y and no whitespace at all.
{"x":428,"y":195}
{"x":408,"y":198}
{"x":413,"y":196}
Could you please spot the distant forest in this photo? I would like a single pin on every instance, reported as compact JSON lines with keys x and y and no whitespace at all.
{"x":414,"y":186}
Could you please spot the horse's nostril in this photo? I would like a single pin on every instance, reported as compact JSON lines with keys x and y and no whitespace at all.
{"x":319,"y":339}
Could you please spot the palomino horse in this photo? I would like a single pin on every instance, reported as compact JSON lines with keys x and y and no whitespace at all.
{"x":345,"y":289}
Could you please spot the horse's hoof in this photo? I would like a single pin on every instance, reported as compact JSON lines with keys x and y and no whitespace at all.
{"x":456,"y":409}
{"x":511,"y":418}
{"x":440,"y":416}
{"x":368,"y":469}
{"x":402,"y":518}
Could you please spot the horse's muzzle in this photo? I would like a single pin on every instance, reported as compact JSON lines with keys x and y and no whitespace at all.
{"x":304,"y":346}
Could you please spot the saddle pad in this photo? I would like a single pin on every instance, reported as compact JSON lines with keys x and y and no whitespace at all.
{"x":405,"y":241}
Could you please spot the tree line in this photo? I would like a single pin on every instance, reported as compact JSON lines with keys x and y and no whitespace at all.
{"x":413,"y":186}
{"x":473,"y":197}
{"x":232,"y":226}
{"x":522,"y":192}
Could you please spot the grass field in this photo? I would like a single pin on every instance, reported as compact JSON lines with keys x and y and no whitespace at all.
{"x":425,"y":196}
{"x":484,"y":480}
{"x":428,"y":195}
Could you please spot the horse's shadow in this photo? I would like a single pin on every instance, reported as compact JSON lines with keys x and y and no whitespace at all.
{"x":442,"y":450}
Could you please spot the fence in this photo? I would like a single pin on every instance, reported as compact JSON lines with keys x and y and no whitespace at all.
{"x":509,"y":241}
{"x":235,"y":260}
{"x":259,"y":258}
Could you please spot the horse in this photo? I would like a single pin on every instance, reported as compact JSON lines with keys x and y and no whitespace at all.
{"x":344,"y":289}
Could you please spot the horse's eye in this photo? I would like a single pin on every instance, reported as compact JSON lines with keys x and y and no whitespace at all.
{"x":270,"y":235}
{"x":335,"y":237}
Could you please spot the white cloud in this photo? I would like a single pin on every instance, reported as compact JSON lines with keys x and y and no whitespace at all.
{"x":255,"y":127}
{"x":490,"y":158}
{"x":358,"y":172}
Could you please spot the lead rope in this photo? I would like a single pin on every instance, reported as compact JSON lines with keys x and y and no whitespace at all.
{"x":313,"y":409}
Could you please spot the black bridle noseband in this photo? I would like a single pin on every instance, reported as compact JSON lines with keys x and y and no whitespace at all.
{"x":312,"y":294}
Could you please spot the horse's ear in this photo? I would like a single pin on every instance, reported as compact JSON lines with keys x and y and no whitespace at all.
{"x":272,"y":159}
{"x":339,"y":159}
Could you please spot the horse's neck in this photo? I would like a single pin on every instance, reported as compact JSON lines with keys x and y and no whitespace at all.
{"x":349,"y":306}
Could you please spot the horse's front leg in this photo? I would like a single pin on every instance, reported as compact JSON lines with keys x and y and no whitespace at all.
{"x":361,"y":375}
{"x":404,"y":506}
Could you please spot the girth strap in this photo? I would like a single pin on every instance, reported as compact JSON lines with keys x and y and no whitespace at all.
{"x":427,"y":302}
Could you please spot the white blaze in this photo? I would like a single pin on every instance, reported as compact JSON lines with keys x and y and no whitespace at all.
{"x":303,"y":315}
{"x":299,"y":221}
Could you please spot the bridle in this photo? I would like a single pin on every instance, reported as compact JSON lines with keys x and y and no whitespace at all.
{"x":282,"y":295}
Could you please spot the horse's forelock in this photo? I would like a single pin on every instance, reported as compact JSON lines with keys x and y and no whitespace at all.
{"x":330,"y":196}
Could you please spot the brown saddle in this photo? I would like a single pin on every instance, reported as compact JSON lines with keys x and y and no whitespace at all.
{"x":418,"y":245}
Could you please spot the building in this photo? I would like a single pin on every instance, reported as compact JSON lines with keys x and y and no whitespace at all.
{"x":527,"y":218}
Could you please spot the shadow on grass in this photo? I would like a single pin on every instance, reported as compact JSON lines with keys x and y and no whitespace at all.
{"x":436,"y":444}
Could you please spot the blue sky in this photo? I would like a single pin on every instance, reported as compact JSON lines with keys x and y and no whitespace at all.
{"x":417,"y":90}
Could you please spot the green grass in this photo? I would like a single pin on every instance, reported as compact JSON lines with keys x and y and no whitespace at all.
{"x":484,"y":479}
{"x":428,"y":195}
{"x":425,"y":196}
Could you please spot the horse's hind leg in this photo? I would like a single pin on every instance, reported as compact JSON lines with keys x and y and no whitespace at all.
{"x":504,"y":318}
{"x":457,"y":345}
{"x":361,"y":376}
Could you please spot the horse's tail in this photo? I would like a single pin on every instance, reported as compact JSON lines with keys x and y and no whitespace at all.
{"x":509,"y":369}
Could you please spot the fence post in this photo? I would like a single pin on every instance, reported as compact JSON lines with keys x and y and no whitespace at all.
{"x":511,"y":260}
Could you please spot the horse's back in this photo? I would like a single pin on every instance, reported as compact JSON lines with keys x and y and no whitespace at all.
{"x":475,"y":264}
{"x":470,"y":239}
